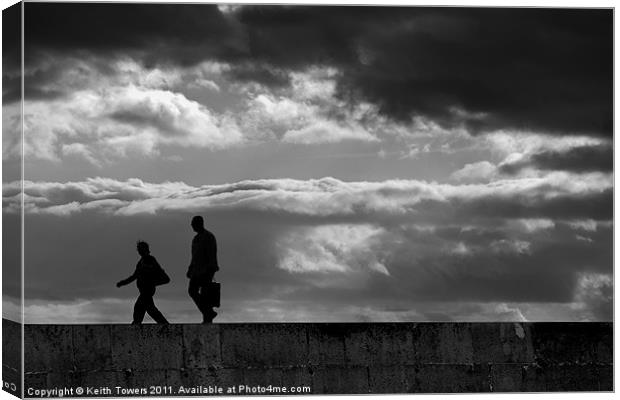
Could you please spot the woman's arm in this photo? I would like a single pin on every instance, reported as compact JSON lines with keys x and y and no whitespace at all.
{"x":126,"y":281}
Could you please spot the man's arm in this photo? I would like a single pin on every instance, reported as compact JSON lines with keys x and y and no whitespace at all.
{"x":215,"y":262}
{"x":192,"y":259}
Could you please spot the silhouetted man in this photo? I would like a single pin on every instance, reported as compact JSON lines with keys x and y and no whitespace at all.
{"x":202,"y":268}
{"x":144,"y":275}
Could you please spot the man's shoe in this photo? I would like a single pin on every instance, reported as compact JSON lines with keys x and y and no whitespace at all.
{"x":207,"y":319}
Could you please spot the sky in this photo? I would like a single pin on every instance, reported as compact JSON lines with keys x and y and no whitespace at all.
{"x":355,"y":163}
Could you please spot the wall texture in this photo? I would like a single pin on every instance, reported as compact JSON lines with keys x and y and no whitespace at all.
{"x":11,"y":357}
{"x":329,"y":358}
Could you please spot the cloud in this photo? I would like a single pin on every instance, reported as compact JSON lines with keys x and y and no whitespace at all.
{"x":105,"y":310}
{"x":481,"y":171}
{"x":158,"y":37}
{"x":176,"y":119}
{"x":486,"y":244}
{"x":344,"y":250}
{"x":403,"y":84}
{"x":587,"y":225}
{"x":103,"y":124}
{"x":128,"y":111}
{"x":556,"y":196}
{"x":112,"y":310}
{"x":508,"y":77}
{"x":594,"y":296}
{"x":307,"y":113}
{"x":102,"y":108}
{"x":526,"y":142}
{"x":511,"y":246}
{"x":383,"y":242}
{"x":80,"y":150}
{"x":327,"y":132}
{"x":532,"y":155}
{"x":11,"y":131}
{"x":264,"y":74}
{"x":575,"y":159}
{"x":205,"y":83}
{"x":533,"y":225}
{"x":415,"y":247}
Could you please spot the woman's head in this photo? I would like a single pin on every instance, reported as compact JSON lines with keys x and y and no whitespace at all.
{"x":143,"y":248}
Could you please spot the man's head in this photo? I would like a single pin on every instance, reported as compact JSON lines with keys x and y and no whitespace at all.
{"x":198,"y":224}
{"x":143,"y":248}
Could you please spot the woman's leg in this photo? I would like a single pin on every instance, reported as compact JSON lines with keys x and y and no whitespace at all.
{"x":153,"y":311}
{"x":138,"y":310}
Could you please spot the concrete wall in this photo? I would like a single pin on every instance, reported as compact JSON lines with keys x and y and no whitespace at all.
{"x":11,"y":357}
{"x":330,"y":358}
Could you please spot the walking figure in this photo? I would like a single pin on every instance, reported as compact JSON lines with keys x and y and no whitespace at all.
{"x":147,"y":275}
{"x":202,"y":268}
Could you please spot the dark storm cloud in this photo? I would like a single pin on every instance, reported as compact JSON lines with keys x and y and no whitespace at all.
{"x":423,"y":269}
{"x":11,"y":37}
{"x":264,"y":74}
{"x":576,"y":159}
{"x":597,"y":205}
{"x":548,"y":70}
{"x":11,"y":53}
{"x":155,"y":34}
{"x":547,"y":270}
{"x":34,"y":87}
{"x":184,"y":34}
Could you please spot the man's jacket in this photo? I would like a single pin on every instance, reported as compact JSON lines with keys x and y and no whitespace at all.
{"x":204,"y":255}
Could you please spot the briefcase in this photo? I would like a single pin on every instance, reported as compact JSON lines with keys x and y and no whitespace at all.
{"x":213,"y":294}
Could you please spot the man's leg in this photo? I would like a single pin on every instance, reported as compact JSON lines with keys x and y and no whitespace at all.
{"x":194,"y":290}
{"x":138,"y":310}
{"x":208,"y":313}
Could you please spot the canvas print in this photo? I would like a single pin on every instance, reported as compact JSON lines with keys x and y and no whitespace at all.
{"x":225,"y":199}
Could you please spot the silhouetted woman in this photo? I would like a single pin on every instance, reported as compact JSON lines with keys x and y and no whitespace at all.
{"x":145,"y":275}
